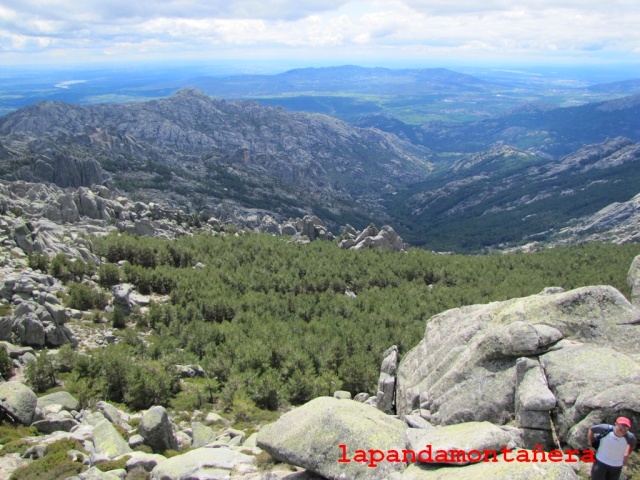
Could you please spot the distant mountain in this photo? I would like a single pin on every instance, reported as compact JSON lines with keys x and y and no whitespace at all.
{"x":199,"y":151}
{"x":513,"y":184}
{"x":348,"y":78}
{"x":542,"y":128}
{"x":625,"y":87}
{"x":505,"y":196}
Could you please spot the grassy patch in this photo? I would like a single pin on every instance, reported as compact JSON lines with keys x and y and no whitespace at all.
{"x":55,"y":465}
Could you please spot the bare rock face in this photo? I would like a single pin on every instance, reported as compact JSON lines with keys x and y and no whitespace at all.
{"x":68,"y":172}
{"x":385,"y":399}
{"x":191,"y":142}
{"x":385,"y":239}
{"x":470,"y":366}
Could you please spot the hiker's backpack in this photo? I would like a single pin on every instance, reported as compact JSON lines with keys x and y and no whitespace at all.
{"x":599,"y":436}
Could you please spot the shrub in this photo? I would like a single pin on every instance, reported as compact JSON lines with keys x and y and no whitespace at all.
{"x":59,"y":267}
{"x":40,"y":374}
{"x":38,"y":261}
{"x":10,"y":432}
{"x":19,"y":445}
{"x":55,"y":465}
{"x":65,"y":359}
{"x":194,"y":395}
{"x":121,"y":463}
{"x":150,"y":383}
{"x":118,"y":319}
{"x":6,"y":364}
{"x":109,"y":275}
{"x":84,"y":297}
{"x":138,"y":473}
{"x":265,"y":462}
{"x":78,"y":268}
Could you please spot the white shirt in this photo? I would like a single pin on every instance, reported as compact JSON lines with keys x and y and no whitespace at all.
{"x":612,"y":450}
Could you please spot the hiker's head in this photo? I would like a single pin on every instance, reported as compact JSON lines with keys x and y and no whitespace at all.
{"x":623,"y":423}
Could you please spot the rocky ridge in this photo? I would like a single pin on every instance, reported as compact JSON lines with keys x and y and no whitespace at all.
{"x":518,"y":197}
{"x":197,"y":151}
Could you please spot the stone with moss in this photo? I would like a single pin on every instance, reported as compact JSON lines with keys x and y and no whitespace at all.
{"x":143,"y":461}
{"x":498,"y":470}
{"x":592,"y":384}
{"x":94,"y":473}
{"x":65,"y":399}
{"x":466,"y":437}
{"x":309,"y":436}
{"x":157,"y":430}
{"x":202,"y":435}
{"x":464,"y":367}
{"x":108,"y":440}
{"x":19,"y":400}
{"x":201,"y":463}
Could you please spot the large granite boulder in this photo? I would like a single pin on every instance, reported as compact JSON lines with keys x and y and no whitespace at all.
{"x":310,"y":437}
{"x":385,"y":239}
{"x":108,"y":440}
{"x":201,"y":463}
{"x":500,"y":470}
{"x":464,"y":437}
{"x":586,"y":379}
{"x":19,"y":401}
{"x":465,"y":368}
{"x":157,"y":430}
{"x":202,"y":435}
{"x":65,"y":399}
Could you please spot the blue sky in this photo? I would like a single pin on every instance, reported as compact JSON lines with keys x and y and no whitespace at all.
{"x":320,"y":31}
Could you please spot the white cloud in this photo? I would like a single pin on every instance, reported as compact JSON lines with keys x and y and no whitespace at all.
{"x":418,"y":28}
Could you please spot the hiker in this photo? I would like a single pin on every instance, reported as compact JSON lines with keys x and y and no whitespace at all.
{"x":613,"y":444}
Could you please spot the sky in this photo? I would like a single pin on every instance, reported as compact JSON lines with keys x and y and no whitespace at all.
{"x":380,"y":32}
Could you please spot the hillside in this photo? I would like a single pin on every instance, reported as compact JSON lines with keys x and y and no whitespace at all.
{"x":538,"y":127}
{"x":514,"y":179}
{"x":198,"y":151}
{"x":173,"y":347}
{"x":507,"y":196}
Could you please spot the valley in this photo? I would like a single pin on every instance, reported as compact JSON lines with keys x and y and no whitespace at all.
{"x":454,"y":161}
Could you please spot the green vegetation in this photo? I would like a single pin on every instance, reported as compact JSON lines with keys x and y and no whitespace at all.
{"x":40,"y":374}
{"x":11,"y":438}
{"x":6,"y":364}
{"x":270,"y":323}
{"x":84,"y":297}
{"x":633,"y":472}
{"x":55,"y":465}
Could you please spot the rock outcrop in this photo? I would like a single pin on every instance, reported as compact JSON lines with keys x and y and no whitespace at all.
{"x":518,"y":359}
{"x":370,"y":237}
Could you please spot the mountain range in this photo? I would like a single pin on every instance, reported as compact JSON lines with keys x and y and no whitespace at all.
{"x":519,"y":176}
{"x":198,"y":151}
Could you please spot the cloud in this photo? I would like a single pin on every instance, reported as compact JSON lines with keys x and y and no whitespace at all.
{"x":106,"y":11}
{"x":446,"y":7}
{"x":411,"y":28}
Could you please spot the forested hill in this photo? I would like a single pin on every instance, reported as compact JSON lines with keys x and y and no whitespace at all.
{"x":555,"y":131}
{"x":283,"y":323}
